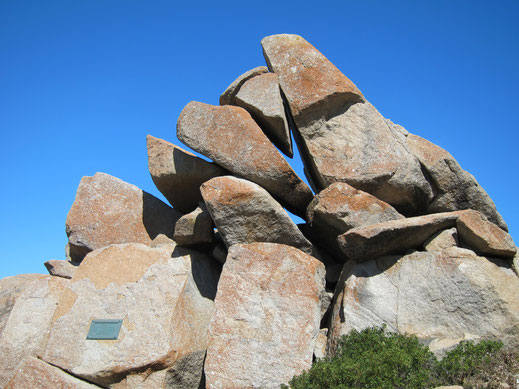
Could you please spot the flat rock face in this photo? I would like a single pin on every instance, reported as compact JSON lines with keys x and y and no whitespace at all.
{"x":10,"y":289}
{"x":339,"y":208}
{"x":35,"y":373}
{"x":448,"y":294}
{"x":230,"y":137}
{"x":60,"y":268}
{"x":309,"y":81}
{"x":108,"y":211}
{"x":267,"y":317}
{"x":456,"y":189}
{"x":164,"y":297}
{"x":227,"y":97}
{"x":26,"y":331}
{"x":244,"y":212}
{"x":261,"y":97}
{"x":178,"y":174}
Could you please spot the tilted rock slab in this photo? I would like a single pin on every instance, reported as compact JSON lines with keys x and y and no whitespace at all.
{"x":261,"y":97}
{"x":60,"y":268}
{"x":164,"y":297}
{"x":10,"y":289}
{"x":178,"y":174}
{"x":108,"y":211}
{"x":35,"y":373}
{"x":341,"y":207}
{"x":267,"y":314}
{"x":397,"y":236}
{"x":456,"y":188}
{"x":229,"y":136}
{"x":344,"y":138}
{"x":244,"y":212}
{"x":26,"y":331}
{"x":448,"y":294}
{"x":227,"y":97}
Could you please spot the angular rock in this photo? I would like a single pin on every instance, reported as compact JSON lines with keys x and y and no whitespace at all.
{"x":60,"y":268}
{"x":483,"y":236}
{"x":108,"y":210}
{"x":339,"y":208}
{"x":227,"y":97}
{"x":26,"y":331}
{"x":194,"y":228}
{"x":230,"y":137}
{"x":35,"y":373}
{"x":449,"y":294}
{"x":261,"y":97}
{"x":178,"y":174}
{"x":244,"y":212}
{"x":442,"y":240}
{"x":267,"y":317}
{"x":320,"y":344}
{"x":162,"y":240}
{"x":164,"y":297}
{"x":456,"y":189}
{"x":309,"y":81}
{"x":10,"y":289}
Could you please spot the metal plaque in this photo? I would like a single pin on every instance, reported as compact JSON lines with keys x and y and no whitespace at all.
{"x":104,"y":329}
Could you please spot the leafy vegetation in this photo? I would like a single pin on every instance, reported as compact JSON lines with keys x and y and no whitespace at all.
{"x":374,"y":358}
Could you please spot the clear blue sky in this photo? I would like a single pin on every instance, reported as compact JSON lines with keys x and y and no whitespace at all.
{"x":83,"y":82}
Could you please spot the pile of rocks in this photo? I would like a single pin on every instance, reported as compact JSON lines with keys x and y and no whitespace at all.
{"x":222,"y":289}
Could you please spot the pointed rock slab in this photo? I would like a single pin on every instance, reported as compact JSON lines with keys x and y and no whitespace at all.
{"x":267,"y":317}
{"x":456,"y":188}
{"x":339,"y":208}
{"x":108,"y":210}
{"x":230,"y":137}
{"x":261,"y":97}
{"x":227,"y":97}
{"x":10,"y":289}
{"x":178,"y":174}
{"x":59,"y":268}
{"x":441,"y":295}
{"x":244,"y":212}
{"x":35,"y":373}
{"x":309,"y":81}
{"x":164,"y":297}
{"x":25,"y":333}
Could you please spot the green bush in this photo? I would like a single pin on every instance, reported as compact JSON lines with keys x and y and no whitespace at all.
{"x":374,"y":358}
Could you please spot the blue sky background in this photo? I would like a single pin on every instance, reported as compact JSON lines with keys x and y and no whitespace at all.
{"x":83,"y":82}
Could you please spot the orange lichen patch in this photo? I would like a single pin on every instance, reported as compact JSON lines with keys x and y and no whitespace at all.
{"x":66,"y":302}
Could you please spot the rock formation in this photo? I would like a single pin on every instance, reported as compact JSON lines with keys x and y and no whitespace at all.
{"x":397,"y":234}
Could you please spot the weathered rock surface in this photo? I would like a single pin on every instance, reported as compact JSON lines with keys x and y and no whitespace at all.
{"x":267,"y":317}
{"x":230,"y":137}
{"x":448,"y":294}
{"x":261,"y":97}
{"x":60,"y":268}
{"x":178,"y":174}
{"x":164,"y":297}
{"x":456,"y":189}
{"x":483,"y":236}
{"x":339,"y":208}
{"x":26,"y":331}
{"x":442,"y":240}
{"x":227,"y":97}
{"x":309,"y":81}
{"x":194,"y":228}
{"x":108,"y":210}
{"x":244,"y":212}
{"x":10,"y":289}
{"x":35,"y":373}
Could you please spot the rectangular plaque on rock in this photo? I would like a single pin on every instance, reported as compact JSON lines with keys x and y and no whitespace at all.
{"x":107,"y":329}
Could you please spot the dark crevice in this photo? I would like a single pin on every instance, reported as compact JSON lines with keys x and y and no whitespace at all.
{"x":72,"y":374}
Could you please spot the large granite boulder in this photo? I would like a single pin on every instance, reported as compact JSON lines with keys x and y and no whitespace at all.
{"x":178,"y":174}
{"x":27,"y":329}
{"x":230,"y":137}
{"x":244,"y":212}
{"x":108,"y":211}
{"x":267,"y":314}
{"x":163,"y":295}
{"x":452,"y":294}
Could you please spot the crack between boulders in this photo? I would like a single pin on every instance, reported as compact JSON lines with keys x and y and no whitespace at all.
{"x":72,"y":375}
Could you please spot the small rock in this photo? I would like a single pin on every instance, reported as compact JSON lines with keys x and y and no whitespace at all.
{"x":442,"y":240}
{"x":194,"y":228}
{"x":178,"y":174}
{"x":227,"y":97}
{"x":320,"y":344}
{"x":59,"y":268}
{"x":162,"y":240}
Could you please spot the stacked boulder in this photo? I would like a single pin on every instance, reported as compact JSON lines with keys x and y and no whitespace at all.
{"x":221,"y":289}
